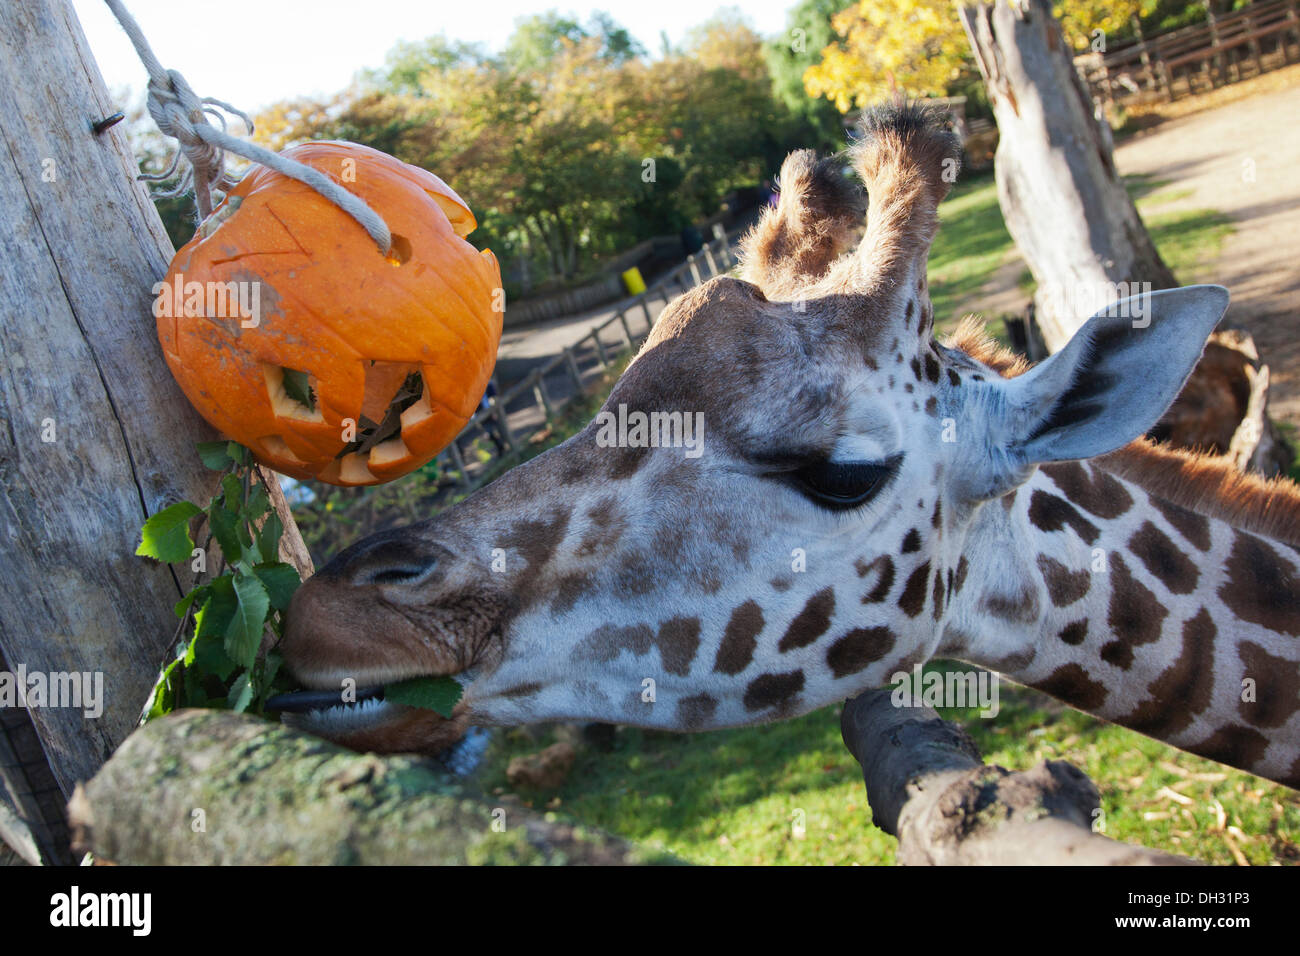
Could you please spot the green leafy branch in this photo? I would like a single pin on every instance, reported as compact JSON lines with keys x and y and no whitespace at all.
{"x":231,"y":622}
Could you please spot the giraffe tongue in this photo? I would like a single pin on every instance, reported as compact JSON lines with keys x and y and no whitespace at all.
{"x":301,"y":701}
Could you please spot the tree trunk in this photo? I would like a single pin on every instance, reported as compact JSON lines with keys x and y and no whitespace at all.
{"x":232,"y":789}
{"x":928,"y":786}
{"x":96,"y":435}
{"x":1062,"y":198}
{"x":1076,"y":226}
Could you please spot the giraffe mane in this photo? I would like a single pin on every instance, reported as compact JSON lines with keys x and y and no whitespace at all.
{"x":1209,"y":485}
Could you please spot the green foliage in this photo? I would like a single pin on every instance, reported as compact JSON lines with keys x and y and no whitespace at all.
{"x":226,"y":660}
{"x":790,"y":54}
{"x":438,"y":694}
{"x":572,"y":145}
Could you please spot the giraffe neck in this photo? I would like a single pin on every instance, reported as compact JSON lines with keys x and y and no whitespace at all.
{"x":1124,"y":605}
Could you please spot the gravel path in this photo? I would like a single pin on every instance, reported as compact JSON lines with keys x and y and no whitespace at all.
{"x":1243,"y":159}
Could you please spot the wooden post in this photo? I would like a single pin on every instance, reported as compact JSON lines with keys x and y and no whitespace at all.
{"x":928,"y":786}
{"x":1067,"y":208}
{"x":97,"y":435}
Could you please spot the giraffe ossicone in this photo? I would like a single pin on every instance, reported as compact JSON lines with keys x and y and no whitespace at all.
{"x":867,"y":499}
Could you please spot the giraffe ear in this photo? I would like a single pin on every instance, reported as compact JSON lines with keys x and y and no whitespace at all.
{"x":1114,"y":379}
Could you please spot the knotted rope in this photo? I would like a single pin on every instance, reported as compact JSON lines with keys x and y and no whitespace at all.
{"x":182,"y":115}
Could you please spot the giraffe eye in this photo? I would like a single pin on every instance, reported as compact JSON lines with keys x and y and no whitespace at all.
{"x":840,"y":485}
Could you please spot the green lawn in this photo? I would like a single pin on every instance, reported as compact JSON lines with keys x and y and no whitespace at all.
{"x":735,"y":796}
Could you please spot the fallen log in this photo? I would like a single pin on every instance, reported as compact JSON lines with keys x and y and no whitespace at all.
{"x":212,"y":787}
{"x":929,"y":787}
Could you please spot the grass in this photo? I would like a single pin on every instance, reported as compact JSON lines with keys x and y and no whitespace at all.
{"x":734,"y":797}
{"x":972,"y":242}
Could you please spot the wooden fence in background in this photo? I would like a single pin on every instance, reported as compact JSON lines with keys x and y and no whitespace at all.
{"x":1226,"y":48}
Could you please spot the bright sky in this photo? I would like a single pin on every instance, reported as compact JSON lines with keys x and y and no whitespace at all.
{"x":251,"y":53}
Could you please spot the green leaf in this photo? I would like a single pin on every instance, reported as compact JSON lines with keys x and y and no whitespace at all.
{"x":244,"y":634}
{"x":163,"y":696}
{"x":259,"y":503}
{"x":237,"y":452}
{"x":268,"y":539}
{"x":197,"y":594}
{"x":232,"y":492}
{"x":216,"y":614}
{"x":215,"y":454}
{"x":438,"y":694}
{"x":241,"y":694}
{"x":208,"y":655}
{"x":280,"y":581}
{"x":225,"y":528}
{"x":166,"y":535}
{"x":298,"y":387}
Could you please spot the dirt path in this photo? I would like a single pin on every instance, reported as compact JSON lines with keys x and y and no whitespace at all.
{"x":1242,"y":159}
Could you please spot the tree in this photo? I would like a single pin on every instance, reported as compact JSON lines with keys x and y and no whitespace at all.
{"x":789,"y":56}
{"x":918,"y":46}
{"x":97,"y":434}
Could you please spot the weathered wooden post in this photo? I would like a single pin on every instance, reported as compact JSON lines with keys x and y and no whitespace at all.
{"x":96,"y":435}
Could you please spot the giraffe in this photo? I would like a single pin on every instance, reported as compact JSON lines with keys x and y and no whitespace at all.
{"x":867,"y":499}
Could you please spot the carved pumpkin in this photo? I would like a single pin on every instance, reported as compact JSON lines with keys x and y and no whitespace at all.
{"x":326,"y":358}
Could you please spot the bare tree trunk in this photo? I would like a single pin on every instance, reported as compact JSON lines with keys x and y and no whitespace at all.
{"x":928,"y":786}
{"x":1062,"y":198}
{"x":96,"y":435}
{"x":1065,"y":205}
{"x":227,"y":788}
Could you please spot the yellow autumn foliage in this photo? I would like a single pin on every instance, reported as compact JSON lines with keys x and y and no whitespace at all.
{"x":918,"y":47}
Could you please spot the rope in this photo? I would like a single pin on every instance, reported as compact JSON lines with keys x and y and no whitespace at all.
{"x":182,"y":115}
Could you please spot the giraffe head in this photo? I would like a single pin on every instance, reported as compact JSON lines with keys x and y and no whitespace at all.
{"x":768,"y":515}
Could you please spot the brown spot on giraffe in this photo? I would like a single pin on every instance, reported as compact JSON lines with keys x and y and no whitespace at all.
{"x":1235,"y":745}
{"x":679,"y":640}
{"x":696,"y":711}
{"x":911,"y":542}
{"x":1050,"y":513}
{"x":1261,"y":588}
{"x":884,"y":566}
{"x":1074,"y":633}
{"x":936,"y":519}
{"x":773,"y":690}
{"x":1136,"y":616}
{"x":521,"y":690}
{"x":1184,"y":688}
{"x":1064,"y":586}
{"x":605,"y":527}
{"x":858,"y":649}
{"x":569,"y":589}
{"x":739,"y":639}
{"x":912,"y":600}
{"x":953,"y":378}
{"x":1071,"y":683}
{"x":1195,"y":528}
{"x":1163,"y":559}
{"x":1021,"y":607}
{"x":810,"y":623}
{"x":938,"y":594}
{"x":1277,"y":686}
{"x":1091,"y":489}
{"x":538,"y":540}
{"x":932,"y":369}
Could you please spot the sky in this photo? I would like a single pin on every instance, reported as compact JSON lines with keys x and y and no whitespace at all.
{"x":252,"y":53}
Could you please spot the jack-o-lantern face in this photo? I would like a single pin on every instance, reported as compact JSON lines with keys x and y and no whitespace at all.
{"x":292,"y":334}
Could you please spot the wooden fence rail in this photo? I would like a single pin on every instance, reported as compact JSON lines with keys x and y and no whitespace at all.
{"x":1197,"y":57}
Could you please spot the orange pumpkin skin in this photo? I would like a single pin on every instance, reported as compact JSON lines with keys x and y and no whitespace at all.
{"x":330,"y":305}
